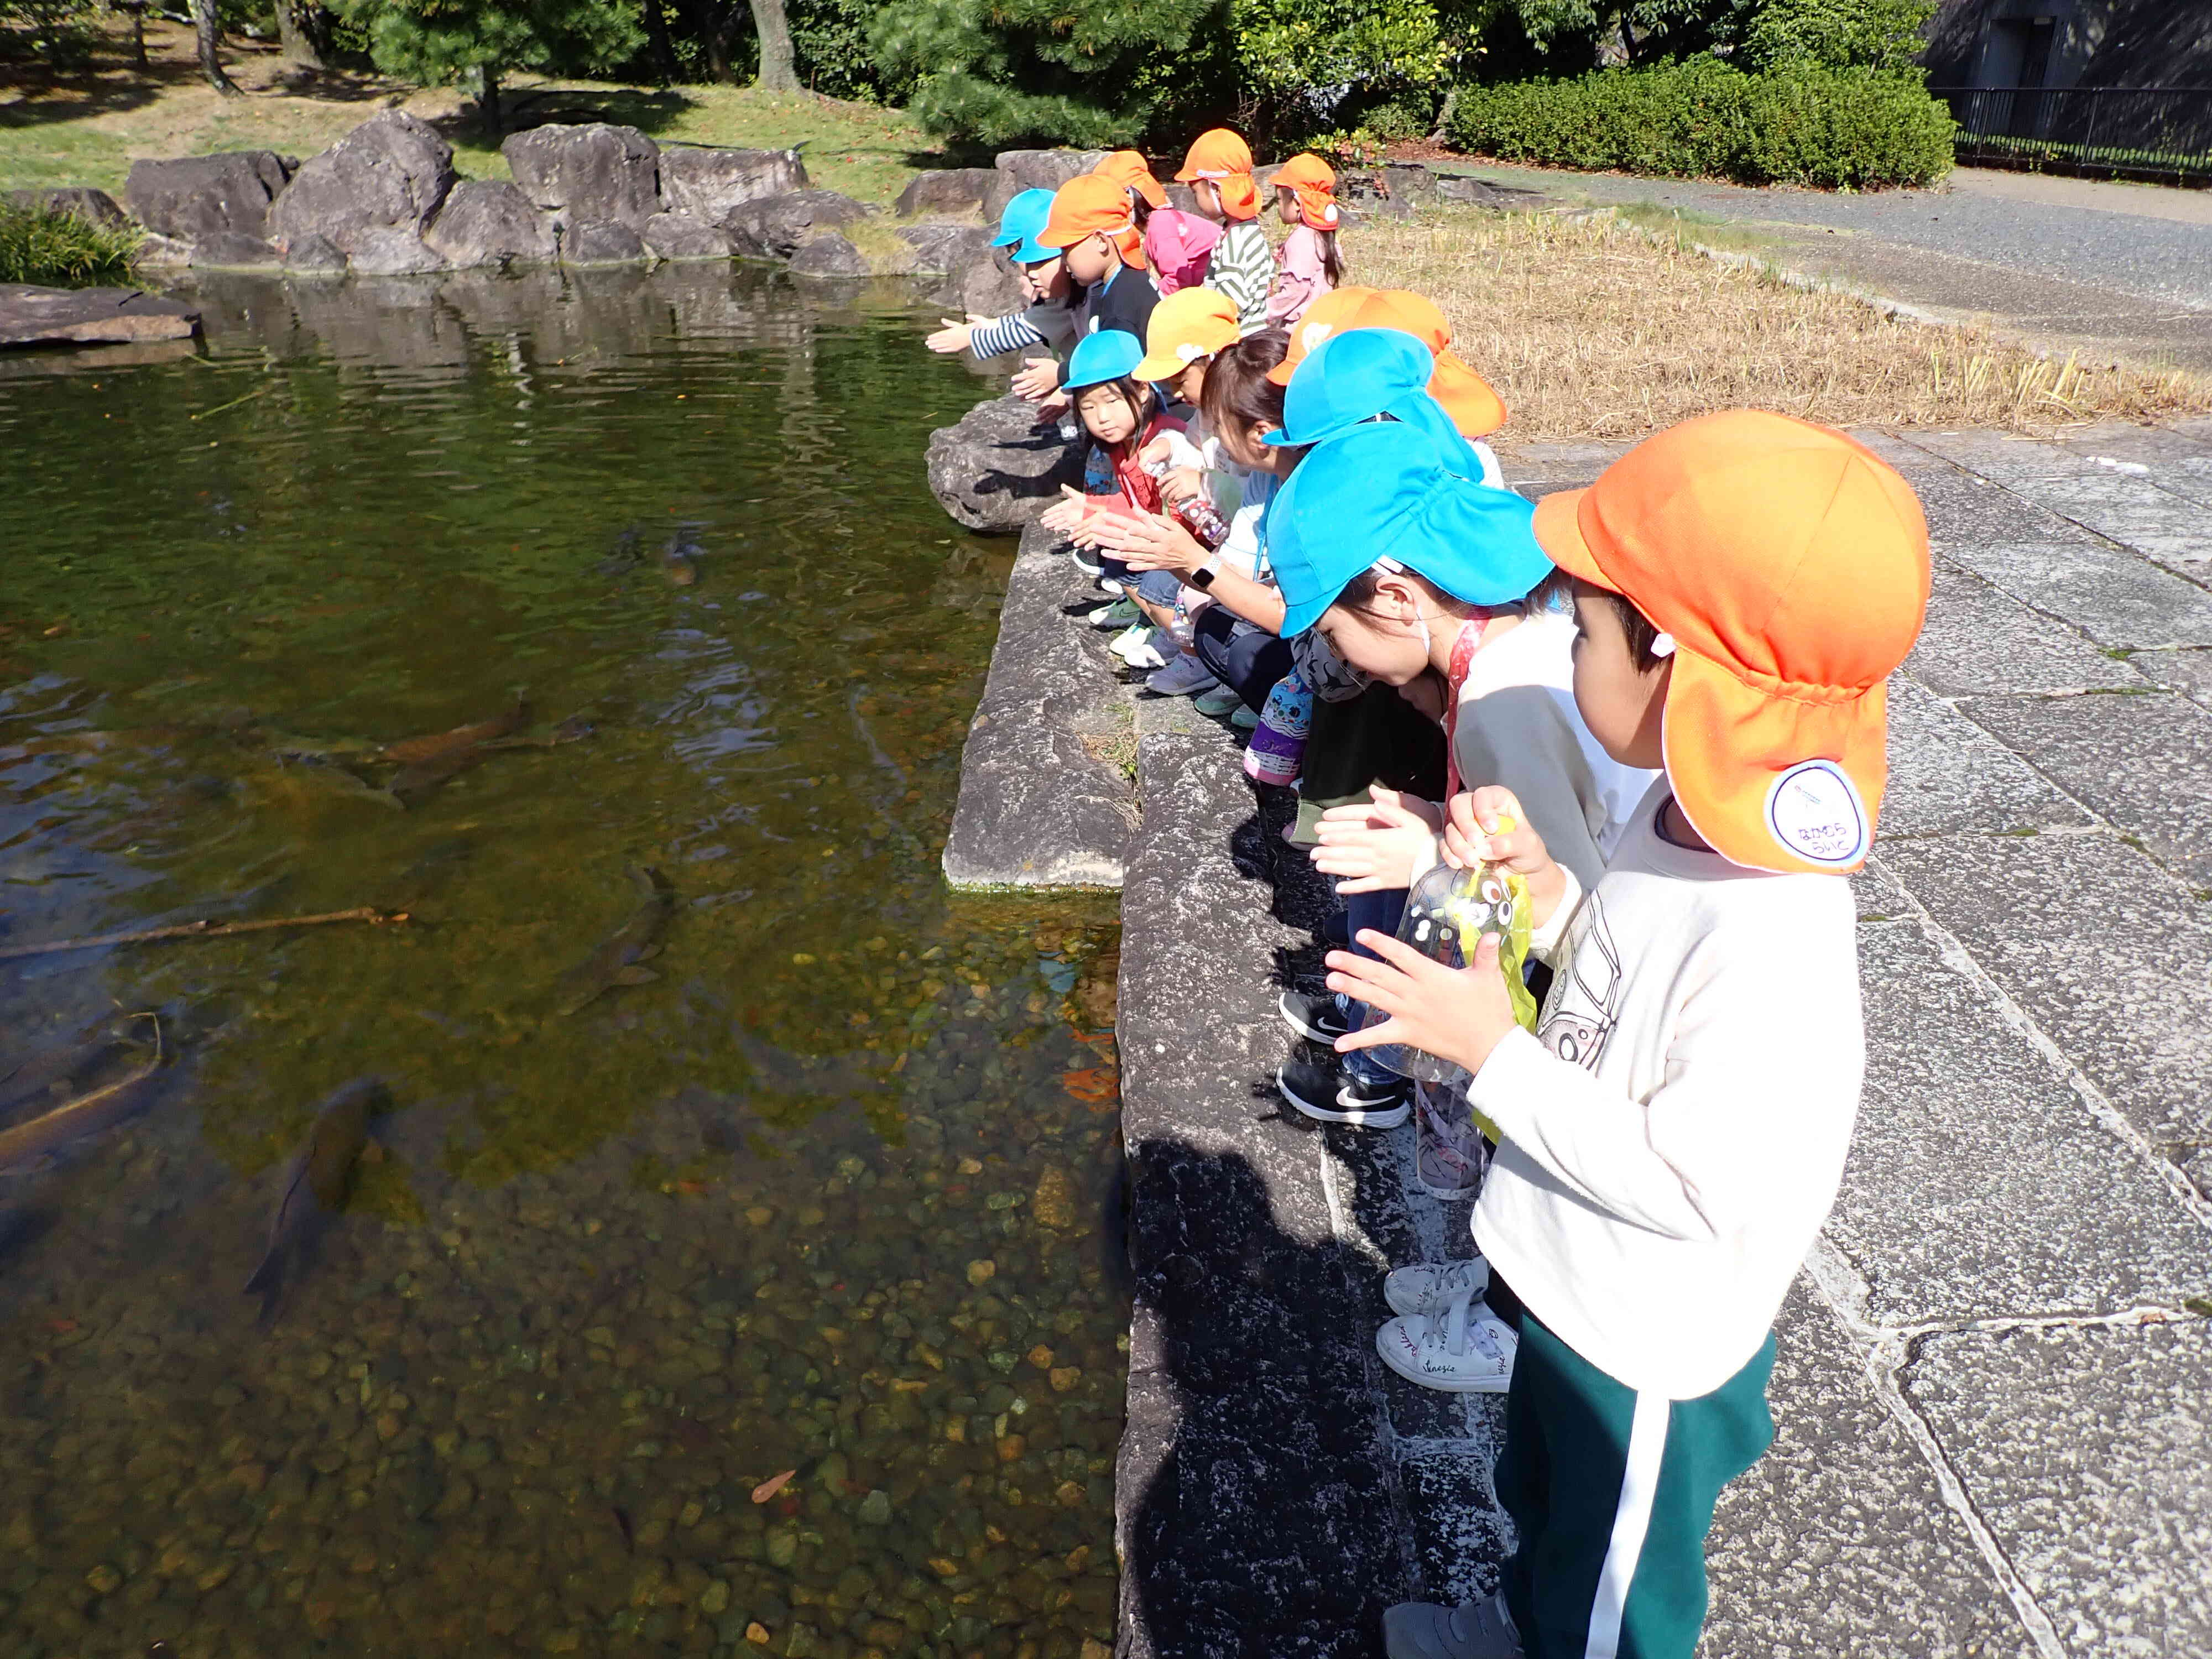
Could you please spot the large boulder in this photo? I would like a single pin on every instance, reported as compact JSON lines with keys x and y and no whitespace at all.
{"x":601,"y":242}
{"x":827,"y":254}
{"x":940,"y":249}
{"x":95,"y":207}
{"x":945,"y":189}
{"x":707,"y":183}
{"x":391,"y":173}
{"x":590,"y":172}
{"x":680,"y":236}
{"x":317,"y":256}
{"x":484,"y":222}
{"x":30,"y":315}
{"x":1000,"y":465}
{"x":229,"y":251}
{"x":385,"y":252}
{"x":990,"y":288}
{"x":201,"y":195}
{"x":774,"y":227}
{"x":1019,"y":170}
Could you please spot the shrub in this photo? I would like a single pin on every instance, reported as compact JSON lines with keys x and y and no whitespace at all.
{"x":58,"y":32}
{"x":1840,"y":129}
{"x":1877,"y":34}
{"x":59,"y":250}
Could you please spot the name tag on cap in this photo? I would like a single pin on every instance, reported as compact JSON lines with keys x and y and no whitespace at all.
{"x":1813,"y":811}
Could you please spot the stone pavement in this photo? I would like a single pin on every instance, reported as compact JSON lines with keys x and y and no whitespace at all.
{"x":2099,"y":267}
{"x":1993,"y":1433}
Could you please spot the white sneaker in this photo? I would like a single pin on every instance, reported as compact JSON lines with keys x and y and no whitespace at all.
{"x":1136,"y":648}
{"x":1466,"y":1350}
{"x":1422,"y":1630}
{"x":1185,"y":677}
{"x":1426,"y":1291}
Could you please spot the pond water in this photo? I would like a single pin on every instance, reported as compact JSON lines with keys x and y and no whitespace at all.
{"x":830,"y":1195}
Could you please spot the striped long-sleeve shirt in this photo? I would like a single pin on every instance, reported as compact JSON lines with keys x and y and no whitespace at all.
{"x":1052,"y":326}
{"x":1244,"y":269}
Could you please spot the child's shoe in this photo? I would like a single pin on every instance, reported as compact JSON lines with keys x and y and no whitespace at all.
{"x":1428,"y":1290}
{"x":1117,"y":615}
{"x":1466,"y":1349}
{"x":1317,"y":1016}
{"x":1450,"y":1154}
{"x":1213,"y":704}
{"x":1329,"y":1092}
{"x":1422,"y":1630}
{"x":1139,"y":647}
{"x":1087,"y":560}
{"x":1182,"y":677}
{"x":1244,"y":719}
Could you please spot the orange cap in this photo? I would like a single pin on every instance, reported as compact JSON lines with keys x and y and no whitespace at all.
{"x":1314,"y":183}
{"x":1127,"y":168}
{"x":1189,"y":324}
{"x":1474,"y":408}
{"x":1223,"y":159}
{"x":1091,"y":204}
{"x":1790,"y":567}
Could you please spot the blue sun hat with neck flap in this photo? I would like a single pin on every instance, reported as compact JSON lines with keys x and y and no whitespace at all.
{"x":1019,"y":223}
{"x":1382,"y":494}
{"x":1111,"y":354}
{"x":1354,"y":377}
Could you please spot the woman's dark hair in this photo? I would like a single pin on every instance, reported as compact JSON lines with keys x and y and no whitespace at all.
{"x":1330,"y":260}
{"x":1237,"y":384}
{"x":1140,"y":397}
{"x":1557,"y":592}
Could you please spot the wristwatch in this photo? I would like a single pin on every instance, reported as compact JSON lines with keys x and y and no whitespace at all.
{"x":1202,"y":578}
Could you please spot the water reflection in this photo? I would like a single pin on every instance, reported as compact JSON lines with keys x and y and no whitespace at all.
{"x":823,"y":1195}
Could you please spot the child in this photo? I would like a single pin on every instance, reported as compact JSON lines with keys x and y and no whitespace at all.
{"x":1445,"y":606}
{"x":1674,"y":1131}
{"x":1049,"y":319}
{"x":1307,"y":265}
{"x":1475,"y":409}
{"x":1091,"y":223}
{"x":1177,"y":244}
{"x":1122,"y":414}
{"x":1218,"y":170}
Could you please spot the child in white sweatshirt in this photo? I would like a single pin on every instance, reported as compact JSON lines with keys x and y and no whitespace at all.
{"x":1673,"y":1133}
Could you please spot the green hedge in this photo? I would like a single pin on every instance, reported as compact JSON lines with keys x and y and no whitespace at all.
{"x":1837,"y":128}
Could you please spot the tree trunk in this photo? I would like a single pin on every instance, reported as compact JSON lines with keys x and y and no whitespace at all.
{"x":299,"y":32}
{"x":488,"y":110}
{"x":778,"y":73}
{"x":210,"y":59}
{"x":656,"y":32}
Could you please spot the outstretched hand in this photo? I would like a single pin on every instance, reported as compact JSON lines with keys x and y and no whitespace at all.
{"x":1458,"y":1014}
{"x":1037,"y":379}
{"x":1145,"y":541}
{"x":952,"y":335}
{"x":1375,"y":846}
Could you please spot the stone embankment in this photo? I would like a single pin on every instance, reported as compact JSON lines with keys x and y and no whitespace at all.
{"x":1991,"y":1430}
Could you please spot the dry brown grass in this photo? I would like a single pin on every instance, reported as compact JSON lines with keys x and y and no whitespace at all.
{"x":1590,"y":328}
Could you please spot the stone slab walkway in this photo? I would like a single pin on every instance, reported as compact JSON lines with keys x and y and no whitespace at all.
{"x":1993,"y":1433}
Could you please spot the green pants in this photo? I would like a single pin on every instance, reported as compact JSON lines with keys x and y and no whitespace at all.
{"x":1612,"y":1493}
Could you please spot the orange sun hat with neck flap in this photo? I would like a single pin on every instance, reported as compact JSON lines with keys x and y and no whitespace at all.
{"x":1091,"y":204}
{"x":1788,"y":568}
{"x":1313,"y":181}
{"x":1225,"y":161}
{"x":1130,"y":170}
{"x":1475,"y":409}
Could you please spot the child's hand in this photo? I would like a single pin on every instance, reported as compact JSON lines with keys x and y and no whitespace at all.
{"x":1151,"y":541}
{"x":1160,"y":449}
{"x":953,"y":336}
{"x":1488,"y":826}
{"x":1456,"y":1014}
{"x":1039,"y":377}
{"x":1374,"y":846}
{"x":1181,"y":485}
{"x":1064,"y":515}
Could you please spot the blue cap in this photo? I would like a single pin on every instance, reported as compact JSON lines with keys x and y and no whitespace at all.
{"x":1362,"y":372}
{"x":1019,"y":224}
{"x":1383,"y":491}
{"x":1111,"y":354}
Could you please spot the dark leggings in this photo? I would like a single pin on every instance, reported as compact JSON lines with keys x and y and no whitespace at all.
{"x":1248,"y":660}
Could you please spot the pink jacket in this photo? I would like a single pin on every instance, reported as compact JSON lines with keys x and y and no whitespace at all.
{"x":1300,"y":278}
{"x":1180,"y":246}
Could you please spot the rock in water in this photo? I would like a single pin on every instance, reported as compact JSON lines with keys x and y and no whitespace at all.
{"x":318,"y":254}
{"x":593,"y":172}
{"x":382,"y":252}
{"x":774,"y":227}
{"x":203,"y":195}
{"x":680,"y":236}
{"x":30,"y":315}
{"x":1000,"y":465}
{"x":95,"y":207}
{"x":940,"y":249}
{"x":391,"y":173}
{"x":1019,"y":170}
{"x":945,"y":189}
{"x":827,"y":254}
{"x":488,"y":222}
{"x":229,"y":251}
{"x":600,"y":242}
{"x":706,"y":184}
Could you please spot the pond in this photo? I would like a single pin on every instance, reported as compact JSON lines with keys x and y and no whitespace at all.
{"x":724,"y":1146}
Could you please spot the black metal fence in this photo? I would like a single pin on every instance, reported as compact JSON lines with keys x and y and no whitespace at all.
{"x":2162,"y":133}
